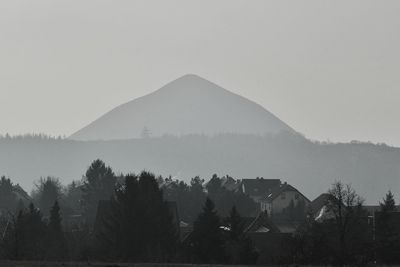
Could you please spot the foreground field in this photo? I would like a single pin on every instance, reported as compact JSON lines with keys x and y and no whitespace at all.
{"x":92,"y":264}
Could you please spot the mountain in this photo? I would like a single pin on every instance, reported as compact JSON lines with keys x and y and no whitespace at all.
{"x":199,"y":128}
{"x":188,"y":105}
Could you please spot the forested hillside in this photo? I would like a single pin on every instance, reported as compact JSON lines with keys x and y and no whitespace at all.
{"x":310,"y":166}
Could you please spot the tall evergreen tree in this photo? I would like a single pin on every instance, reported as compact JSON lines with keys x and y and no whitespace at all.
{"x":98,"y":184}
{"x":388,"y":204}
{"x":239,"y":247}
{"x":8,"y":200}
{"x":48,"y":190}
{"x":236,"y":224}
{"x":72,"y":199}
{"x":387,"y":232}
{"x":24,"y":237}
{"x":56,"y":247}
{"x":225,"y":199}
{"x":207,"y":238}
{"x":137,"y":224}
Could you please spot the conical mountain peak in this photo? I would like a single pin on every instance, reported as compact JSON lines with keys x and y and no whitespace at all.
{"x":191,"y":82}
{"x":187,"y":105}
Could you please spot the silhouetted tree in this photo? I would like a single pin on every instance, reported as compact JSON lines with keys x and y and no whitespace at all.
{"x":344,"y":237}
{"x":8,"y":200}
{"x":197,"y":197}
{"x":24,"y":237}
{"x":224,"y":199}
{"x":387,"y":232}
{"x":238,"y":246}
{"x":179,"y":192}
{"x":138,"y":224}
{"x":72,"y":199}
{"x":207,"y":241}
{"x":350,"y":222}
{"x":315,"y":242}
{"x":56,"y":246}
{"x":48,"y":190}
{"x":388,"y":204}
{"x":98,"y":184}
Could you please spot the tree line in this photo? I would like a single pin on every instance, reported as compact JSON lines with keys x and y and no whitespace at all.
{"x":137,"y":227}
{"x":128,"y":218}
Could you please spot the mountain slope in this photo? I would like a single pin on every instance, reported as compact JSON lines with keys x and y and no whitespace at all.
{"x":310,"y":167}
{"x":188,"y":105}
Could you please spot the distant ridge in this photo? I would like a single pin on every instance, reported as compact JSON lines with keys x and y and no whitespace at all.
{"x":187,"y":105}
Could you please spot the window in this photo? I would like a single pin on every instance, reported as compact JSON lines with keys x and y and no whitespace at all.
{"x":283,"y":195}
{"x":296,"y":196}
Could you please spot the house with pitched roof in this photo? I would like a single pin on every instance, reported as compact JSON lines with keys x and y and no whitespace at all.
{"x":258,"y":188}
{"x":283,"y":197}
{"x":319,"y":208}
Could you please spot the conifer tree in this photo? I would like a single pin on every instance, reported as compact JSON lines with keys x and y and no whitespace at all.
{"x":24,"y":237}
{"x":387,"y":232}
{"x":137,"y":224}
{"x":207,"y":240}
{"x":239,"y":247}
{"x":98,"y":184}
{"x":55,"y":240}
{"x":235,"y":223}
{"x":388,"y":203}
{"x":47,"y":191}
{"x":8,"y":200}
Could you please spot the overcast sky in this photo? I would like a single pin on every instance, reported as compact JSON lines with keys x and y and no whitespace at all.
{"x":329,"y":69}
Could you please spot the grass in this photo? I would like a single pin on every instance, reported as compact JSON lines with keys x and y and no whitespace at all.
{"x":94,"y":264}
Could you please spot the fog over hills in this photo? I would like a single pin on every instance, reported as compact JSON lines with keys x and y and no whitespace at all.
{"x":198,"y":128}
{"x":188,"y":105}
{"x":309,"y":166}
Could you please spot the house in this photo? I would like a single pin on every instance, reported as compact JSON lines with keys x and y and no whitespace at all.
{"x":261,"y":224}
{"x":319,"y":208}
{"x":230,"y":184}
{"x":281,"y":198}
{"x":258,"y":188}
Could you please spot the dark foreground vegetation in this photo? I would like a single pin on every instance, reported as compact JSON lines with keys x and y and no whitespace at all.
{"x":142,"y":218}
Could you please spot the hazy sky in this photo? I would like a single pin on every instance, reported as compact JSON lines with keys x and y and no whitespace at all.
{"x":330,"y":69}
